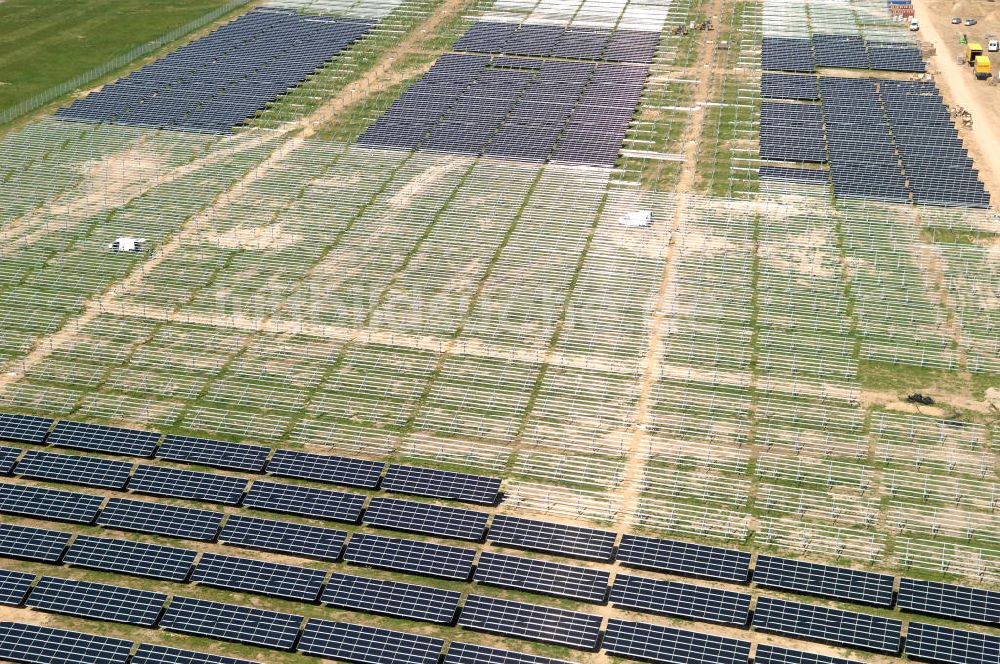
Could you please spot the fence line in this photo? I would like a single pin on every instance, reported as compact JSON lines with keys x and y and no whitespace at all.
{"x":55,"y":91}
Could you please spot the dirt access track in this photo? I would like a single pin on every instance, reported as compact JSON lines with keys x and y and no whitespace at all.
{"x":956,"y":81}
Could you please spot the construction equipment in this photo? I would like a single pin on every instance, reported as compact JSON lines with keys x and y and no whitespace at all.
{"x":982,"y":67}
{"x":972,"y":51}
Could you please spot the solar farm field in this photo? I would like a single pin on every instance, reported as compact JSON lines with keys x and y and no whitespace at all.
{"x":503,"y":332}
{"x":42,"y":45}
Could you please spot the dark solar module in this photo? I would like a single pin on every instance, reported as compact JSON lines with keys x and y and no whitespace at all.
{"x":937,"y":166}
{"x":767,"y":654}
{"x":400,"y":555}
{"x":283,"y":537}
{"x":565,"y":112}
{"x":789,"y":86}
{"x":8,"y":458}
{"x":530,"y":621}
{"x":792,"y":132}
{"x":581,"y":44}
{"x":427,"y":519}
{"x":790,"y":174}
{"x":632,"y":46}
{"x":552,"y":538}
{"x":824,"y":580}
{"x":467,"y":653}
{"x":945,"y":645}
{"x":215,"y":453}
{"x":178,"y":483}
{"x":45,"y":546}
{"x":159,"y":519}
{"x":949,"y":601}
{"x":31,"y":644}
{"x":442,"y":484}
{"x":807,"y":621}
{"x":74,"y":469}
{"x":231,"y":622}
{"x":258,"y":576}
{"x":14,"y":586}
{"x":100,"y":438}
{"x":336,"y":470}
{"x":636,"y":640}
{"x":660,"y":555}
{"x":895,"y":57}
{"x":787,"y":54}
{"x":583,"y":583}
{"x":391,"y":598}
{"x":128,"y":557}
{"x":863,"y":159}
{"x":486,"y":37}
{"x":49,"y":503}
{"x":24,"y":428}
{"x":97,"y":600}
{"x":149,"y":653}
{"x":305,"y":501}
{"x":674,"y":598}
{"x":224,"y":78}
{"x":842,"y":51}
{"x":367,"y":645}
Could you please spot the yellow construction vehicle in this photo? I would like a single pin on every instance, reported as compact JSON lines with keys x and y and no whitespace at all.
{"x":972,"y":51}
{"x":982,"y":67}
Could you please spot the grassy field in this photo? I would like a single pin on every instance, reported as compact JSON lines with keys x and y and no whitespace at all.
{"x":46,"y":42}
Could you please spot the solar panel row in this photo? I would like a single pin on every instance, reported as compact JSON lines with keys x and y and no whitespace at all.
{"x":950,"y":601}
{"x":14,"y":586}
{"x":665,"y":644}
{"x":530,"y":621}
{"x":541,"y":41}
{"x":566,"y":112}
{"x":582,"y":583}
{"x":259,"y":576}
{"x":938,"y":168}
{"x":946,"y":645}
{"x":97,"y":600}
{"x":37,"y":544}
{"x":400,"y":600}
{"x":24,"y":428}
{"x":33,"y":644}
{"x":218,"y":81}
{"x":824,"y":580}
{"x":128,"y":557}
{"x":807,"y":621}
{"x":673,"y":598}
{"x":838,"y":51}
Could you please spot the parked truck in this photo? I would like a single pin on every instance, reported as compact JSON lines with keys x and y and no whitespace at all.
{"x":972,"y":51}
{"x":982,"y":67}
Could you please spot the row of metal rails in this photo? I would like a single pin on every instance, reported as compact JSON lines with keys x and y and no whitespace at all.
{"x":219,"y":81}
{"x":884,"y":140}
{"x":838,"y":51}
{"x":356,"y":643}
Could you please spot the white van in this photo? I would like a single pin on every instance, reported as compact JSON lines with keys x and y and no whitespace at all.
{"x":914,"y":25}
{"x":993,"y":46}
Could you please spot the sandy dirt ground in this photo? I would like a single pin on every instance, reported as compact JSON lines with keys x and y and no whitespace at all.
{"x":956,"y":81}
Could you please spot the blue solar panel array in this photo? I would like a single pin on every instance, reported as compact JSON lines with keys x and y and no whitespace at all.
{"x":515,"y":108}
{"x":787,"y":54}
{"x":792,"y":132}
{"x":789,"y":86}
{"x":838,"y":51}
{"x":220,"y":80}
{"x":541,"y":41}
{"x":863,"y":159}
{"x":790,"y":174}
{"x":937,"y":166}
